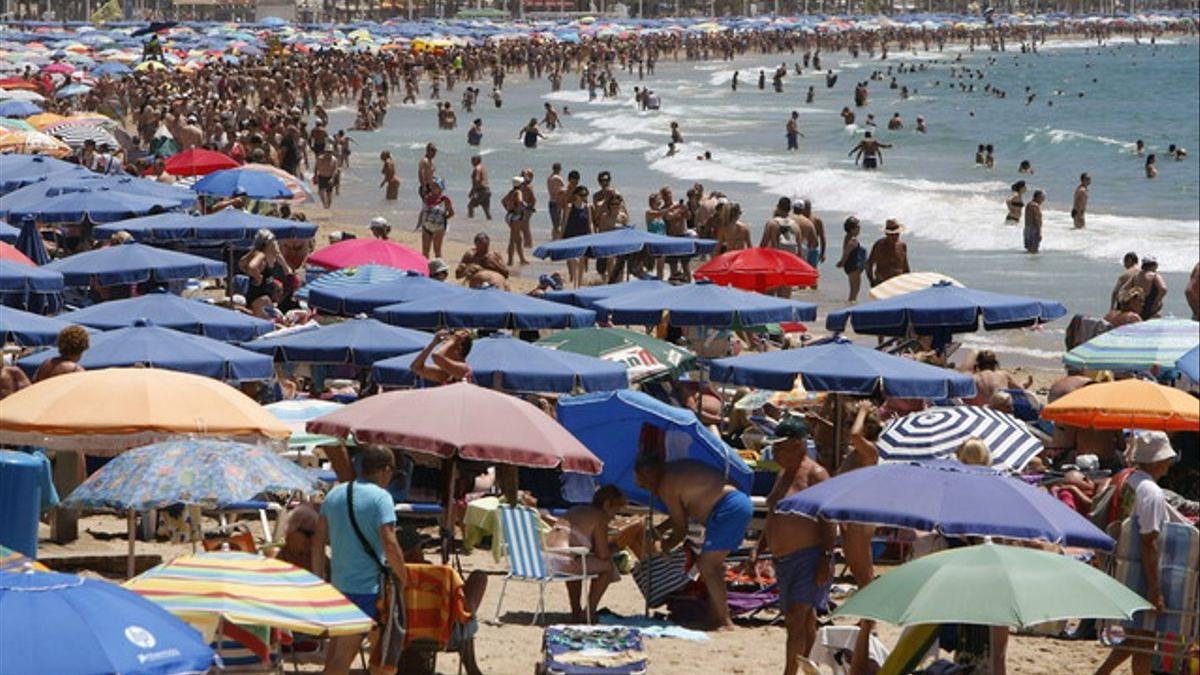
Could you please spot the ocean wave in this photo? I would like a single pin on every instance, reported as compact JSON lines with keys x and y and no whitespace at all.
{"x":577,"y":96}
{"x":618,"y":144}
{"x":572,"y":138}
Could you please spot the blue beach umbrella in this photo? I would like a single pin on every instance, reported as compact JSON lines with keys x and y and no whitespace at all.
{"x":30,"y":197}
{"x":235,"y":182}
{"x":942,"y":310}
{"x":8,"y":233}
{"x":358,"y":342}
{"x":842,"y":367}
{"x":485,"y":308}
{"x":28,"y":329}
{"x":622,"y":241}
{"x":30,"y":242}
{"x":612,"y":425}
{"x":133,"y":264}
{"x":154,"y":346}
{"x":171,"y":311}
{"x":36,"y":289}
{"x":18,"y":109}
{"x":108,"y":629}
{"x":357,"y":290}
{"x":111,"y":69}
{"x":1144,"y":345}
{"x":947,"y":497}
{"x":98,"y":206}
{"x":704,"y":304}
{"x":506,"y":363}
{"x":17,"y":171}
{"x":174,"y":226}
{"x":1189,"y":364}
{"x":227,"y":225}
{"x":587,"y":296}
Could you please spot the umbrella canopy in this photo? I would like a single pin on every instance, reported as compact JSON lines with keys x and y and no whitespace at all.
{"x":358,"y":342}
{"x":108,"y":629}
{"x":757,"y":269}
{"x":144,"y":344}
{"x":295,"y":413}
{"x":79,"y":133}
{"x":14,"y":108}
{"x":506,"y":363}
{"x":642,"y":356}
{"x":128,"y":407}
{"x":485,"y":308}
{"x":1126,"y":404}
{"x":358,"y":290}
{"x":8,"y":233}
{"x":240,"y":182}
{"x":461,"y":420}
{"x":993,"y":585}
{"x":953,"y":499}
{"x":12,"y":255}
{"x":621,"y":241}
{"x":1147,"y":345}
{"x":356,"y":252}
{"x":226,"y":225}
{"x":171,"y":311}
{"x":587,"y":296}
{"x":944,"y":309}
{"x":100,"y":205}
{"x":937,"y":433}
{"x":15,"y":561}
{"x":611,"y":426}
{"x":198,"y":162}
{"x":841,"y":366}
{"x":704,"y":304}
{"x":1189,"y":364}
{"x":249,"y":589}
{"x":32,"y":197}
{"x":28,"y":329}
{"x":133,"y":264}
{"x":202,"y":472}
{"x":33,"y":288}
{"x":30,"y":243}
{"x":17,"y":170}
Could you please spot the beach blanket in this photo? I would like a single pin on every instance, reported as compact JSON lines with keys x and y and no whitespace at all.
{"x":593,"y":650}
{"x":434,"y":603}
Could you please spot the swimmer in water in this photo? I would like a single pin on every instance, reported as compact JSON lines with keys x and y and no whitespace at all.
{"x":529,"y":134}
{"x":895,"y":124}
{"x":1139,"y":147}
{"x":1015,"y":203}
{"x":1151,"y":169}
{"x":847,"y":116}
{"x":979,"y":154}
{"x":870,"y":151}
{"x":1025,"y":168}
{"x":921,"y":128}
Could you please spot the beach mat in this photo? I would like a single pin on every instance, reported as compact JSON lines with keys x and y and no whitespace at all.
{"x":592,"y":650}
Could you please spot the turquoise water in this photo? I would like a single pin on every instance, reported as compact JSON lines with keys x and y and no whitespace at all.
{"x":954,"y":211}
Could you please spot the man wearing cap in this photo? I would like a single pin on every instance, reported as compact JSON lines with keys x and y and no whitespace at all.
{"x":380,"y":228}
{"x":438,"y":269}
{"x":889,"y":255}
{"x":1142,"y":499}
{"x":1152,"y":285}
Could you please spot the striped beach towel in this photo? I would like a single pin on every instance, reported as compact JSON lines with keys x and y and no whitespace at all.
{"x":434,"y":602}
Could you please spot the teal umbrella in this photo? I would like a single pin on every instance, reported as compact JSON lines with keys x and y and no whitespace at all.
{"x":1158,"y":343}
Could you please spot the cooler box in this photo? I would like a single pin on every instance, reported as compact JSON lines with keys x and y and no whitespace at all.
{"x":20,"y":500}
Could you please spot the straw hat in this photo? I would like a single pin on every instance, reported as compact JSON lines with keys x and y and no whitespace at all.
{"x":893,"y":226}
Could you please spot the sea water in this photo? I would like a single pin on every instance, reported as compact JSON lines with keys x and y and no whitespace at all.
{"x":953,"y":210}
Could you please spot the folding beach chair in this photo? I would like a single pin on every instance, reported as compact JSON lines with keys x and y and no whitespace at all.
{"x":527,"y":558}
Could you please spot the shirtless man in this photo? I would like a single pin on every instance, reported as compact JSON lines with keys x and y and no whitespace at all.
{"x":696,"y":491}
{"x":989,"y":378}
{"x":793,"y":131}
{"x":530,"y":206}
{"x":426,"y":170}
{"x":12,"y":380}
{"x":801,"y":547}
{"x":889,"y":255}
{"x":1130,"y":261}
{"x":556,"y":191}
{"x":551,"y":121}
{"x":481,"y":190}
{"x":870,"y":151}
{"x":323,"y":172}
{"x":390,"y":179}
{"x":812,"y":239}
{"x":1033,"y":222}
{"x":1152,"y":285}
{"x":482,"y":265}
{"x":780,"y":230}
{"x":732,"y":233}
{"x":72,"y":343}
{"x":1079,"y":205}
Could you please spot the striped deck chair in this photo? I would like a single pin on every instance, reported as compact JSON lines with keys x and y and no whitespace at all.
{"x":527,"y":558}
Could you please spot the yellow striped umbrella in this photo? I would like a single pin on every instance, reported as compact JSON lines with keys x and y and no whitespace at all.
{"x":32,"y":142}
{"x":907,"y":283}
{"x":249,"y":589}
{"x":14,"y":561}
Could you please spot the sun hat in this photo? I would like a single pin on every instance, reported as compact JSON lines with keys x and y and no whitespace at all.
{"x":893,"y":227}
{"x":438,"y":266}
{"x":1151,"y":446}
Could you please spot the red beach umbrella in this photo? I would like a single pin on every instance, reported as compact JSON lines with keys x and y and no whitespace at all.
{"x":359,"y":252}
{"x":9,"y":253}
{"x":199,"y":162}
{"x":461,"y":420}
{"x":757,"y":269}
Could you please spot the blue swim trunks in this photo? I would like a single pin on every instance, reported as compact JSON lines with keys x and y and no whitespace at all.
{"x":365,"y":602}
{"x":796,"y":573}
{"x":725,"y":528}
{"x":812,"y":256}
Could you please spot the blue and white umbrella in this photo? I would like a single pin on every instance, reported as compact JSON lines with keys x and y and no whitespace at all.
{"x":937,"y":433}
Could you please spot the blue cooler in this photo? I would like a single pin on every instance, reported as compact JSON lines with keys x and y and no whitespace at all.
{"x":20,"y":500}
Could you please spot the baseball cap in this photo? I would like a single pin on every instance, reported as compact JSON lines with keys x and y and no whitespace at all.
{"x":791,"y":427}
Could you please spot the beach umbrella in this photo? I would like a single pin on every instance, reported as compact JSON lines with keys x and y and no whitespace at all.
{"x":358,"y":290}
{"x":21,"y":95}
{"x":461,"y":420}
{"x":249,"y":589}
{"x":937,"y":433}
{"x":74,"y":89}
{"x":99,"y":205}
{"x":945,"y":496}
{"x":128,"y":407}
{"x":1145,"y":345}
{"x":174,"y":226}
{"x":28,"y":329}
{"x":13,"y":256}
{"x":622,"y":241}
{"x":1189,"y":364}
{"x":506,"y":363}
{"x":357,"y":252}
{"x":66,"y":624}
{"x":239,"y":182}
{"x":198,"y":162}
{"x":758,"y":269}
{"x":202,"y":472}
{"x":8,"y":233}
{"x":15,"y":561}
{"x":36,"y":289}
{"x":357,"y":342}
{"x":43,"y":121}
{"x":17,"y":170}
{"x":993,"y":585}
{"x":111,"y":69}
{"x":300,"y":191}
{"x":31,"y":197}
{"x":295,"y":413}
{"x":942,"y":310}
{"x":485,"y":308}
{"x":32,"y":143}
{"x":643,"y":356}
{"x":174,"y":312}
{"x":75,"y":135}
{"x":612,"y":424}
{"x":840,"y":366}
{"x":30,"y":243}
{"x":12,"y":108}
{"x":587,"y":296}
{"x":144,"y":344}
{"x":226,"y":225}
{"x":703,"y":304}
{"x":1126,"y":404}
{"x":133,"y":264}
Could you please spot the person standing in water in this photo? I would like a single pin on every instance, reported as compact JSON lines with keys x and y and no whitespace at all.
{"x":391,"y":182}
{"x":1014,"y":203}
{"x":1151,"y":169}
{"x":529,"y":134}
{"x":869,"y":151}
{"x":793,"y":131}
{"x":1033,"y":222}
{"x":1079,"y":205}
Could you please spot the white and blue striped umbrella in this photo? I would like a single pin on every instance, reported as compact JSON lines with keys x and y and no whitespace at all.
{"x":937,"y":433}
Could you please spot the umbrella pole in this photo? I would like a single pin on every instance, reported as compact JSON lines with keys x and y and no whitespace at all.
{"x":229,"y":270}
{"x":131,"y":523}
{"x":447,"y":512}
{"x":838,"y":423}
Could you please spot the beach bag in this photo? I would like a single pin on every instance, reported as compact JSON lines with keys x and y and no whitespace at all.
{"x":1106,"y":505}
{"x":387,"y":644}
{"x":659,"y":576}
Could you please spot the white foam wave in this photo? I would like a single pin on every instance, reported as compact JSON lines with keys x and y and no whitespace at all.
{"x":578,"y":96}
{"x":618,"y":144}
{"x":1060,"y":135}
{"x":573,"y":138}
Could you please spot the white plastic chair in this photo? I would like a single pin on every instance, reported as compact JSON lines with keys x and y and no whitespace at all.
{"x":527,"y":558}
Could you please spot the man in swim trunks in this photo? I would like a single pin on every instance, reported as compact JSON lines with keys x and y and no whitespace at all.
{"x":1130,"y":261}
{"x":870,"y":151}
{"x":692,"y":490}
{"x":1152,"y":285}
{"x":1079,"y":205}
{"x":889,"y":255}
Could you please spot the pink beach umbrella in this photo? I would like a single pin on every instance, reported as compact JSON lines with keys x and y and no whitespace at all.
{"x":358,"y":252}
{"x":461,"y":420}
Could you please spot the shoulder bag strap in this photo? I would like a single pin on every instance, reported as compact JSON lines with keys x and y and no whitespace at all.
{"x":362,"y":539}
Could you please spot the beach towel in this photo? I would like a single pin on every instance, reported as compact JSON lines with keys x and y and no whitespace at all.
{"x":657,"y":577}
{"x":592,"y":650}
{"x":434,"y":603}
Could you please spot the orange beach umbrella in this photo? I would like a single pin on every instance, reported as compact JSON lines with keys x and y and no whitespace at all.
{"x":1127,"y":404}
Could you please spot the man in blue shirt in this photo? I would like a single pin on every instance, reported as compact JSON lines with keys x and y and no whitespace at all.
{"x":355,"y":571}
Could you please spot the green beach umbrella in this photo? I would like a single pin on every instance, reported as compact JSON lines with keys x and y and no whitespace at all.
{"x":643,"y":356}
{"x":992,"y":585}
{"x":1137,"y":346}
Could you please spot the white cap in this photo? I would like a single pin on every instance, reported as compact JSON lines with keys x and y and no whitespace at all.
{"x":379,"y":221}
{"x":1151,"y":446}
